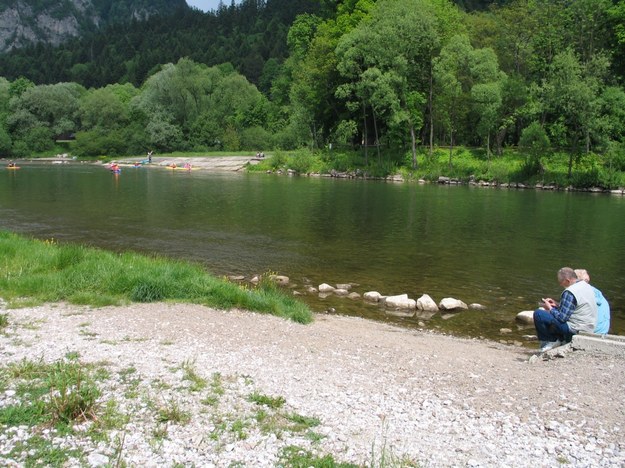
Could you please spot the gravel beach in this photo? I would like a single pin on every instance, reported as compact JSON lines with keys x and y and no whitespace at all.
{"x":370,"y":394}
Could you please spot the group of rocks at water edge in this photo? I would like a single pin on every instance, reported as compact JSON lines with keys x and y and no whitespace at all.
{"x":582,"y":307}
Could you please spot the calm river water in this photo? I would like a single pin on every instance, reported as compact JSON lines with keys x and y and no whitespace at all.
{"x":497,"y":247}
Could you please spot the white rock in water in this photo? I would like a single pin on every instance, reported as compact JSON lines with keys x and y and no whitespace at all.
{"x":344,"y":286}
{"x":281,"y":280}
{"x":526,"y":316}
{"x":401,"y":302}
{"x":341,"y":292}
{"x":325,"y":288}
{"x":426,"y":303}
{"x":449,"y":303}
{"x":372,"y":296}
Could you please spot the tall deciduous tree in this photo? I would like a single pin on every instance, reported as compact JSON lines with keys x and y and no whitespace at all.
{"x":571,"y":101}
{"x":387,"y":61}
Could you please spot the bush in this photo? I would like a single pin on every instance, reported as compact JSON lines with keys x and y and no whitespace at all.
{"x":255,"y":139}
{"x":303,"y":162}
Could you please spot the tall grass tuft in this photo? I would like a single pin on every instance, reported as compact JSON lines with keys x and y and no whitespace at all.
{"x":46,"y":271}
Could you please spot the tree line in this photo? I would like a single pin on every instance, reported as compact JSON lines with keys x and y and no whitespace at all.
{"x":386,"y":76}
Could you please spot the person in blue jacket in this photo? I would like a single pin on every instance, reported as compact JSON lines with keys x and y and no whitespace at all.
{"x":603,"y":306}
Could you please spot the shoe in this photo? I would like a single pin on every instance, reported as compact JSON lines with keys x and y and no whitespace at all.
{"x":547,"y":345}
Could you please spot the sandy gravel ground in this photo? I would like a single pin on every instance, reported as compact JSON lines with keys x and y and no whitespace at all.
{"x":380,"y":393}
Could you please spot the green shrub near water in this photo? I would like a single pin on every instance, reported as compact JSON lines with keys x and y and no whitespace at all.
{"x":45,"y":271}
{"x":588,"y":170}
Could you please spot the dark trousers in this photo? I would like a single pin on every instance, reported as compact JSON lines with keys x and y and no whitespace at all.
{"x":550,"y":329}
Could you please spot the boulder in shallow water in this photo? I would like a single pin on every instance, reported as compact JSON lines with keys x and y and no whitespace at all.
{"x":401,"y":301}
{"x":279,"y":279}
{"x":526,"y":316}
{"x":326,"y":288}
{"x":427,"y":304}
{"x":372,"y":296}
{"x":449,"y":303}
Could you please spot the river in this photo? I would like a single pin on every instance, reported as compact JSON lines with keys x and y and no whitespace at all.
{"x":497,"y":247}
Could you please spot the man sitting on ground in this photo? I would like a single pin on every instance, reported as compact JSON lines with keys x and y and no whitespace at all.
{"x":577,"y":311}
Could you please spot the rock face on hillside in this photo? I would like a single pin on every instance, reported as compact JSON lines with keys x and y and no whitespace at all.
{"x":24,"y":22}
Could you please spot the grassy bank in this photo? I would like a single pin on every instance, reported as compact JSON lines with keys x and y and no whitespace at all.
{"x":464,"y":164}
{"x":33,"y":272}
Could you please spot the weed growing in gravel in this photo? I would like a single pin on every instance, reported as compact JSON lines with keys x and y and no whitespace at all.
{"x":72,"y":355}
{"x":110,"y":419}
{"x":297,"y":457}
{"x":216,"y":390}
{"x":197,"y":383}
{"x":265,"y":400}
{"x":301,"y":423}
{"x":172,"y":413}
{"x":159,"y":434}
{"x":4,"y":321}
{"x":387,"y":459}
{"x":59,"y":393}
{"x":37,"y":451}
{"x":277,"y":423}
{"x":238,"y":428}
{"x":73,"y":393}
{"x":128,"y":378}
{"x":34,"y":325}
{"x":88,"y":334}
{"x":217,"y":385}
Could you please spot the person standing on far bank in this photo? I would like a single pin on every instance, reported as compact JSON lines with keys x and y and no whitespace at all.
{"x":556,"y":323}
{"x":603,"y":306}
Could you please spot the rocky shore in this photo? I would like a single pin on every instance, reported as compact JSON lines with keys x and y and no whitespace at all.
{"x":193,"y":386}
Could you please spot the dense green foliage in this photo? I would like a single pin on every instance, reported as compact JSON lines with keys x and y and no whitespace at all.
{"x":35,"y":271}
{"x":383,"y":80}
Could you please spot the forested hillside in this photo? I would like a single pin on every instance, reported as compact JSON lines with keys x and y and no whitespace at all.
{"x":246,"y":35}
{"x":52,"y":22}
{"x":391,"y":79}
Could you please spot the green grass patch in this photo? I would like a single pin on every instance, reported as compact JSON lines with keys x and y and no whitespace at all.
{"x":34,"y":272}
{"x":297,"y":457}
{"x":42,"y":452}
{"x":60,"y":393}
{"x":4,"y":321}
{"x":265,"y":400}
{"x":172,"y":413}
{"x":197,"y":383}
